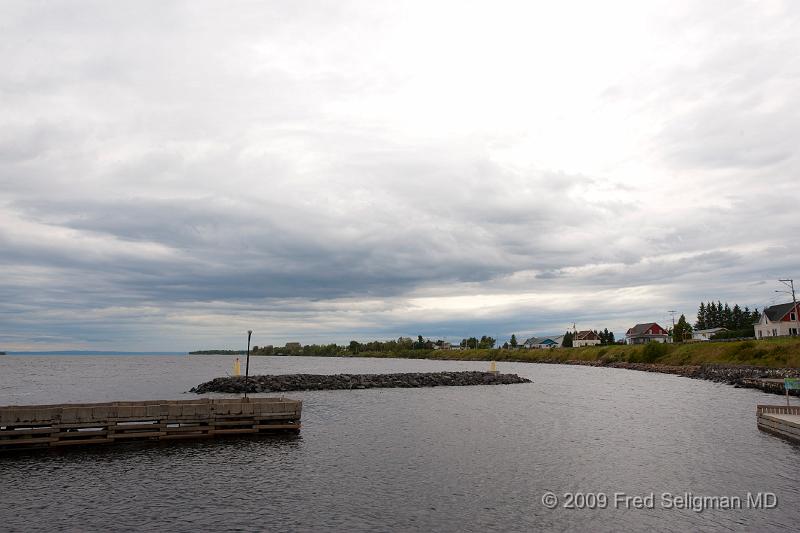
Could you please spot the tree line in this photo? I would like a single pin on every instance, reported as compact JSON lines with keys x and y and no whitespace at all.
{"x":402,"y":344}
{"x":716,"y":315}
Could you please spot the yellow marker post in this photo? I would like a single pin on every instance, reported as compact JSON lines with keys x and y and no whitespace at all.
{"x":493,"y":367}
{"x":237,"y":368}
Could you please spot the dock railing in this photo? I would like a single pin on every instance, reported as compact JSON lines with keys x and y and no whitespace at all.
{"x":778,"y":409}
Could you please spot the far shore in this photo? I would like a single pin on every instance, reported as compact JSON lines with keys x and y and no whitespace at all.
{"x":739,"y":363}
{"x":771,"y":353}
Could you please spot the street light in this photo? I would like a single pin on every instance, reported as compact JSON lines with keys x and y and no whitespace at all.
{"x":247,"y":364}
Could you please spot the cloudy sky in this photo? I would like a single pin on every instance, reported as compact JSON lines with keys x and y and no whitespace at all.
{"x":175,"y":173}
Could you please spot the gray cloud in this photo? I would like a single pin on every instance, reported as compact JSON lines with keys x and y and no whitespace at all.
{"x":170,"y":175}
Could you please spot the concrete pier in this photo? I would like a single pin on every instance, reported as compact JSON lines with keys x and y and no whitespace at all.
{"x":780,"y":420}
{"x":49,"y":426}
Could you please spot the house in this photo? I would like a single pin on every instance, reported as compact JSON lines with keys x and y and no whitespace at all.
{"x":585,"y":338}
{"x":544,"y":342}
{"x":778,"y":321}
{"x":705,"y":334}
{"x":644,"y":333}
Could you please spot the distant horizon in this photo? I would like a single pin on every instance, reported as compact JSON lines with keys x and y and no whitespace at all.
{"x":92,"y":352}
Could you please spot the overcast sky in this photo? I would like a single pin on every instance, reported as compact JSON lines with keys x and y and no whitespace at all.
{"x":175,"y":173}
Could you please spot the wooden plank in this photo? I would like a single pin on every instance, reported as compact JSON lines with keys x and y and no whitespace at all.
{"x":120,"y":427}
{"x":233,"y":431}
{"x":776,"y":427}
{"x":29,"y":431}
{"x":780,"y":426}
{"x":277,"y":416}
{"x":280,"y":426}
{"x":76,"y":442}
{"x":187,"y":436}
{"x":14,"y":442}
{"x":187,"y":428}
{"x":82,"y":434}
{"x":248,"y":422}
{"x":87,"y":425}
{"x":136,"y":435}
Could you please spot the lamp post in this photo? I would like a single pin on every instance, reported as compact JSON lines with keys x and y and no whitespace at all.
{"x":247,"y":364}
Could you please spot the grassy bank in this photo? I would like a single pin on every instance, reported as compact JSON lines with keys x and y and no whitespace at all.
{"x":776,"y":353}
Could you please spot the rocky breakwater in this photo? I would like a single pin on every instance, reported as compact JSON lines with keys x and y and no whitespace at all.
{"x":750,"y":377}
{"x":296,"y":382}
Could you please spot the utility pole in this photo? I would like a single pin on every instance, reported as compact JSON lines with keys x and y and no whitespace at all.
{"x":790,"y":283}
{"x":672,"y":312}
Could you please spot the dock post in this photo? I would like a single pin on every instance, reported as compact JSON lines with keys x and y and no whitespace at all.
{"x":247,"y":364}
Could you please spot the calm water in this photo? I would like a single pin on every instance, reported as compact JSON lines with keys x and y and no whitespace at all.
{"x":445,"y":459}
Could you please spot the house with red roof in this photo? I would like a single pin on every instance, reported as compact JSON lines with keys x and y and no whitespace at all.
{"x":644,"y":333}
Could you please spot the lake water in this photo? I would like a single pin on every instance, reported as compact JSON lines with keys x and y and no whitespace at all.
{"x":443,"y":459}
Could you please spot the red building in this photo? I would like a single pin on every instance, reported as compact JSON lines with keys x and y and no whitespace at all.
{"x":644,"y":333}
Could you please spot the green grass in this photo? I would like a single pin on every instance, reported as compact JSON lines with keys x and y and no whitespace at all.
{"x":778,"y":353}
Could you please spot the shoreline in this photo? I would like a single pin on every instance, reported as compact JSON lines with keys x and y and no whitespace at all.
{"x":740,"y":376}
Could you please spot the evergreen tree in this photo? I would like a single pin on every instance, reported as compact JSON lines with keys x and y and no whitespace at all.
{"x":727,"y":317}
{"x":737,"y":317}
{"x":610,"y":337}
{"x":716,"y":315}
{"x":567,"y":342}
{"x":701,"y":317}
{"x":513,"y":341}
{"x":682,"y":330}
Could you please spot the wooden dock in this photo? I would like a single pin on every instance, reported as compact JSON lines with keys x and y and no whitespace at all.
{"x":51,"y":426}
{"x":780,"y":420}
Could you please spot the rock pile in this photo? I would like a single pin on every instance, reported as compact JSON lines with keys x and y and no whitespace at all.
{"x":735,"y":375}
{"x":739,"y":376}
{"x":294,"y":382}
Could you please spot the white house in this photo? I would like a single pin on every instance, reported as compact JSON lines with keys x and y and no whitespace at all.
{"x":705,"y":334}
{"x":778,"y":321}
{"x":585,"y":338}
